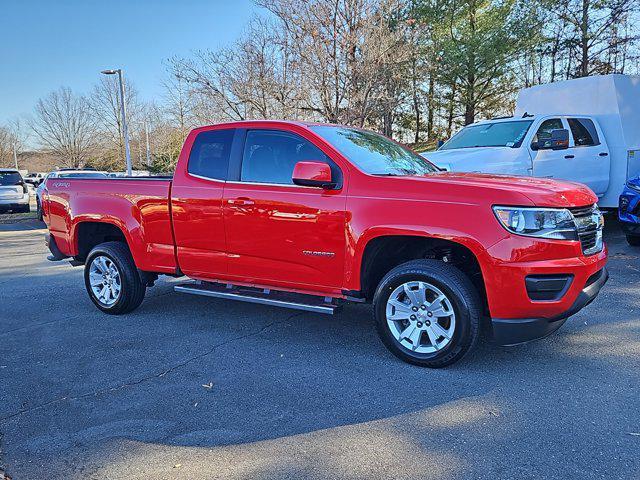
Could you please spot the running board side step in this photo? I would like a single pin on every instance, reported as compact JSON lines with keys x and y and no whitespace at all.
{"x":296,"y":301}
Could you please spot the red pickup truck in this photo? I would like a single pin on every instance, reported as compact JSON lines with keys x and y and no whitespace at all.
{"x":310,"y":216}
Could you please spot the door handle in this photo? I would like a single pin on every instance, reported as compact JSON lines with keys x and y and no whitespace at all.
{"x":603,"y":154}
{"x":240,"y":201}
{"x":569,"y":156}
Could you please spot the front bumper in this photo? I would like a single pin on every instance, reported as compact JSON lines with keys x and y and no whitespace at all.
{"x":525,"y":310}
{"x":515,"y":331}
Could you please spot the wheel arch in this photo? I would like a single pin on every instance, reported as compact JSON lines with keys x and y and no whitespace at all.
{"x":88,"y":233}
{"x":384,"y":251}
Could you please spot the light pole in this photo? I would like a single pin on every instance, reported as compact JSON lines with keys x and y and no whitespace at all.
{"x":146,"y":133}
{"x":123,"y":112}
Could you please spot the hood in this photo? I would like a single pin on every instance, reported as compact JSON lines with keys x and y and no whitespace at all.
{"x":479,"y":159}
{"x":541,"y":192}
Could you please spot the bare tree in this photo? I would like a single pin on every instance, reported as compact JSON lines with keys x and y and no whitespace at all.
{"x":105,"y":105}
{"x":179,"y":104}
{"x":7,"y":142}
{"x":350,"y":55}
{"x":592,"y":37}
{"x":63,"y":124}
{"x":340,"y":60}
{"x":256,"y":77}
{"x":12,"y":140}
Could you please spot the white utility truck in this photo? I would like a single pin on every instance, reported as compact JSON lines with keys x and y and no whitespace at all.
{"x":585,"y":130}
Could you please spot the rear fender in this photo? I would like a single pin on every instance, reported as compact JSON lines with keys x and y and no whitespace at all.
{"x":134,"y":241}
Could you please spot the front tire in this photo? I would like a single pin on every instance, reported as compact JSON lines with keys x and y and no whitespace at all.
{"x":633,"y":240}
{"x":427,"y":313}
{"x":112,"y":279}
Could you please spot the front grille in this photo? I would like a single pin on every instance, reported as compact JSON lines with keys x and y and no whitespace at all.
{"x":582,"y":211}
{"x":588,"y":240}
{"x":588,"y":221}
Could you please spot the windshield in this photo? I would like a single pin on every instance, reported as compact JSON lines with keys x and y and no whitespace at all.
{"x":10,"y":178}
{"x":373,"y":153}
{"x":498,"y":134}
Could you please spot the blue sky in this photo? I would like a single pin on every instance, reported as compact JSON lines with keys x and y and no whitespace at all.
{"x":48,"y":43}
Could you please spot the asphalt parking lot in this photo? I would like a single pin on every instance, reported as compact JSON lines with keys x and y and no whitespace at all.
{"x":191,"y":387}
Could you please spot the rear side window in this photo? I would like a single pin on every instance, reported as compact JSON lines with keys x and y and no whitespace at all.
{"x":210,"y":153}
{"x":583,"y":131}
{"x":270,"y":156}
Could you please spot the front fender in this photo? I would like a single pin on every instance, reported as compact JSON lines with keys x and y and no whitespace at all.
{"x":359,"y":245}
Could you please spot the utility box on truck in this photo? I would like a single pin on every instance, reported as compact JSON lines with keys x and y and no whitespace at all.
{"x":585,"y":130}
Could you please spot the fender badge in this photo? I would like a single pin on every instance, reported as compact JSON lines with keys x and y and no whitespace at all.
{"x":313,"y":253}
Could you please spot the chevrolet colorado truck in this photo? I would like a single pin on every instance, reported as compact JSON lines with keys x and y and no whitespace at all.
{"x":311,"y":216}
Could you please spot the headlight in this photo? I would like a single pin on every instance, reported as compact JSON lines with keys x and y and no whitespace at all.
{"x":556,"y":223}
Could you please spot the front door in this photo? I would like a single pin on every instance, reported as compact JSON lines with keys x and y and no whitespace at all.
{"x":585,"y":161}
{"x":279,"y":233}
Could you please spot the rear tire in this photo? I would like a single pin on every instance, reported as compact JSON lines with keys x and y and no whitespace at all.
{"x":633,"y":240}
{"x":26,"y":209}
{"x":112,"y":264}
{"x":438,"y":290}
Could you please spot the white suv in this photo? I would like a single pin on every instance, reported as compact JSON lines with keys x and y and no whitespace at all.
{"x":14,"y":194}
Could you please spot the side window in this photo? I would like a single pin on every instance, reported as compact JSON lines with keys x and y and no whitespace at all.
{"x":209,"y":156}
{"x":270,"y":156}
{"x":583,"y":131}
{"x":542,"y":138}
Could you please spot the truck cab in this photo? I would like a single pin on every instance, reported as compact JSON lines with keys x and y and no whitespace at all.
{"x":595,"y":122}
{"x":527,"y":146}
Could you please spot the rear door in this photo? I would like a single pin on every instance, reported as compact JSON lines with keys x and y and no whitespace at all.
{"x":590,"y":154}
{"x":196,"y":202}
{"x":279,"y":233}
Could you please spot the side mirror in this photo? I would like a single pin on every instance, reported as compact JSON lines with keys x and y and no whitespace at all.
{"x":313,"y":174}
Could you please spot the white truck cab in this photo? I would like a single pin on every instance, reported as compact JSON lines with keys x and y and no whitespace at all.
{"x":584,"y":130}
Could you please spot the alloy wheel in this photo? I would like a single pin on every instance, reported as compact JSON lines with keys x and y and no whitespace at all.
{"x":420,"y":317}
{"x":105,"y":280}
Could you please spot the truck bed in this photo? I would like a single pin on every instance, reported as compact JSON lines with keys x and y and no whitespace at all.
{"x":137,"y":206}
